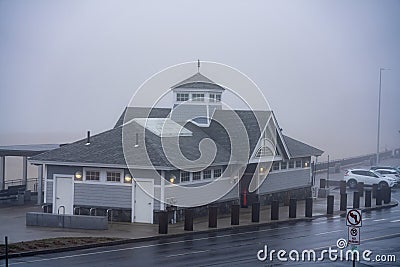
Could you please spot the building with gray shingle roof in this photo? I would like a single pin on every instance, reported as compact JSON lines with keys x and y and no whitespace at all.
{"x":137,"y":167}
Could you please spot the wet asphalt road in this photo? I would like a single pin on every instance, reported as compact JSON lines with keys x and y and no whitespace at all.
{"x":380,"y":233}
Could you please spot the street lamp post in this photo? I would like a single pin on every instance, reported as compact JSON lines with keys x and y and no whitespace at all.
{"x":379,"y":113}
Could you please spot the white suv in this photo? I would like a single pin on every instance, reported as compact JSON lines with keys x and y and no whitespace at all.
{"x":389,"y":173}
{"x":369,"y":177}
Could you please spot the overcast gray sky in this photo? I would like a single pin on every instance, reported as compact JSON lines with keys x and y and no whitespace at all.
{"x":71,"y":66}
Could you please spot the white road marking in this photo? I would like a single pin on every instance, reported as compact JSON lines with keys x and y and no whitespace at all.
{"x":395,"y":221}
{"x":139,"y":247}
{"x":330,"y":232}
{"x":188,"y":253}
{"x":379,"y":220}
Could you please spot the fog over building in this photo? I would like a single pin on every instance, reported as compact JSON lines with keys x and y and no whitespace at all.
{"x":70,"y":66}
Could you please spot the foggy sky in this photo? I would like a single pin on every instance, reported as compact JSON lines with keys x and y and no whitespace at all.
{"x":71,"y":66}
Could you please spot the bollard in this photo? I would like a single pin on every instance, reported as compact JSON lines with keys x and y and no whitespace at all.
{"x":360,"y":188}
{"x":329,"y":205}
{"x":374,"y":188}
{"x":188,"y":220}
{"x":275,"y":210}
{"x":343,"y":187}
{"x":356,"y":200}
{"x":163,"y":222}
{"x":322,"y":183}
{"x":235,"y":209}
{"x":292,"y":208}
{"x":6,"y":249}
{"x":212,"y":216}
{"x":367,"y":199}
{"x":309,"y":206}
{"x":255,"y":212}
{"x":378,"y":197}
{"x":343,"y":202}
{"x":386,"y":194}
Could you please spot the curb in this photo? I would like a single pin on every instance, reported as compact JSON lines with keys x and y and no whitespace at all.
{"x":189,"y":233}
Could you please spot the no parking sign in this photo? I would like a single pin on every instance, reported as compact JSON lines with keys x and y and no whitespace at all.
{"x":354,"y":222}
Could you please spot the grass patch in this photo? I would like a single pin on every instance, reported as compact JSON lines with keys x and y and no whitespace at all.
{"x":53,"y":243}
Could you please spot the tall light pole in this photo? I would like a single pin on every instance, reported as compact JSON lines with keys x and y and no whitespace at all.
{"x":379,"y":113}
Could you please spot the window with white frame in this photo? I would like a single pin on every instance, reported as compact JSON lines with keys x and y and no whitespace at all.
{"x":207,"y":174}
{"x":275,"y":166}
{"x":218,"y":98}
{"x":180,"y":97}
{"x":198,"y":97}
{"x":217,"y":173}
{"x":196,"y":176}
{"x":291,"y":164}
{"x":92,"y":176}
{"x":185,"y":176}
{"x":113,"y":176}
{"x":211,"y":98}
{"x":298,"y":163}
{"x":283,"y":165}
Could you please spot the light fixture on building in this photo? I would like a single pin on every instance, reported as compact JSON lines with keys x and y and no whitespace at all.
{"x":172,"y":179}
{"x":306,"y":164}
{"x":128,"y":178}
{"x":78,"y":175}
{"x":261,"y":169}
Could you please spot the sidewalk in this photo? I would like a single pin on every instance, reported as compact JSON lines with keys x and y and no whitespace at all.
{"x":13,"y":222}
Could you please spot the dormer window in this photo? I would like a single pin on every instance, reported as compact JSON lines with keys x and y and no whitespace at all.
{"x":181,"y":97}
{"x":198,"y":97}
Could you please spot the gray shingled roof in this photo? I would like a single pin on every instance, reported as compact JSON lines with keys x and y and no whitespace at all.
{"x":299,"y":149}
{"x":198,"y":81}
{"x":106,"y":148}
{"x":26,"y":150}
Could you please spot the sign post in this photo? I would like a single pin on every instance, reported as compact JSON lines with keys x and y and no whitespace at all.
{"x":354,"y":223}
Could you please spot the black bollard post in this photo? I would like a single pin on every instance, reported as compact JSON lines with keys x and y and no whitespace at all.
{"x":386,"y":194}
{"x":322,"y":183}
{"x":356,"y":200}
{"x":292,"y":208}
{"x":235,"y":210}
{"x":368,"y":198}
{"x":309,"y":206}
{"x":360,"y":188}
{"x":378,"y":197}
{"x":163,"y":222}
{"x":212,"y":216}
{"x":275,"y":210}
{"x":255,"y":212}
{"x":343,"y":187}
{"x":329,"y":205}
{"x":6,"y":248}
{"x":374,"y":188}
{"x":188,"y":220}
{"x":343,"y":202}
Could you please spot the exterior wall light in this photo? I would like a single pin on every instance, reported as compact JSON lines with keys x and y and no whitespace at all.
{"x":172,"y":179}
{"x":128,"y":178}
{"x":306,"y":164}
{"x":261,"y":169}
{"x":78,"y":175}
